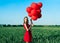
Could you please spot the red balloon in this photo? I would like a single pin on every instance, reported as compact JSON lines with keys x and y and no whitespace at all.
{"x":34,"y":12}
{"x":29,"y":14}
{"x":40,"y":4}
{"x":34,"y":6}
{"x":28,"y":9}
{"x":39,"y":16}
{"x":39,"y":11}
{"x":34,"y":18}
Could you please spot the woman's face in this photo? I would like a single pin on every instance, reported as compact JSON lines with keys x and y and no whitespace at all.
{"x":26,"y":20}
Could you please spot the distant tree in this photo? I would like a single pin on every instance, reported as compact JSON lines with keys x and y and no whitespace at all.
{"x":14,"y":25}
{"x":4,"y":25}
{"x":8,"y":25}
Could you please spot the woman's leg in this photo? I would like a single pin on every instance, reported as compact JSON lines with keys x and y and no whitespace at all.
{"x":27,"y":42}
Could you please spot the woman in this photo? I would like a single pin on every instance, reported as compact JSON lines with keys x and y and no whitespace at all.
{"x":27,"y":27}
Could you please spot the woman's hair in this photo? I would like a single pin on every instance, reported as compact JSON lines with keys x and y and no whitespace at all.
{"x":24,"y":20}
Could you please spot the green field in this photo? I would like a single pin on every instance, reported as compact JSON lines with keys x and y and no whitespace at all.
{"x":40,"y":34}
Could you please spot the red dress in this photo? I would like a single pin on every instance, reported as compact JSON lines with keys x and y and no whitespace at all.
{"x":27,"y":35}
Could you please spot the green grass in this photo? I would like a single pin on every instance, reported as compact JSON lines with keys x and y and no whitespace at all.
{"x":40,"y":34}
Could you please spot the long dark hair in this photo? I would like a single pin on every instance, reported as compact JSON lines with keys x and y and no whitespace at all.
{"x":24,"y":20}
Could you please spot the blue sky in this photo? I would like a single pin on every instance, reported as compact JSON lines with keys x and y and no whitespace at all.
{"x":13,"y":11}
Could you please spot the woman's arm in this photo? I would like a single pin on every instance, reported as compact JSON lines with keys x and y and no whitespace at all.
{"x":26,"y":27}
{"x":31,"y":24}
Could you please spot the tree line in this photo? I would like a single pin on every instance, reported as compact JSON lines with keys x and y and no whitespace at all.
{"x":4,"y":25}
